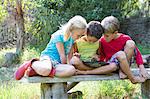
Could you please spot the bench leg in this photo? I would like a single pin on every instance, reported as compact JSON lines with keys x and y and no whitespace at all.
{"x":54,"y":91}
{"x":71,"y":85}
{"x":145,"y":88}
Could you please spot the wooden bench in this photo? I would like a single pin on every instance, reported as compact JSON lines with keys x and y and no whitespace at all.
{"x":56,"y":88}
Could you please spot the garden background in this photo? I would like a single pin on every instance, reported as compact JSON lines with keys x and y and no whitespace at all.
{"x":26,"y":27}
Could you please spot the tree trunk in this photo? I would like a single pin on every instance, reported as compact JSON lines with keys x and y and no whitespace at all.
{"x":19,"y":27}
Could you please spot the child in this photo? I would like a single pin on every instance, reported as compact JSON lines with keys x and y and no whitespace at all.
{"x":117,"y":49}
{"x":87,"y":44}
{"x":53,"y":60}
{"x":85,"y":50}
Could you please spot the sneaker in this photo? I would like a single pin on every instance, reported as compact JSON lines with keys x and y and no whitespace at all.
{"x":30,"y":72}
{"x":21,"y":70}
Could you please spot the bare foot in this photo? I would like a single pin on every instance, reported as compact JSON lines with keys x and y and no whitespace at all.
{"x":144,"y":73}
{"x":122,"y":75}
{"x":138,"y":79}
{"x":78,"y":72}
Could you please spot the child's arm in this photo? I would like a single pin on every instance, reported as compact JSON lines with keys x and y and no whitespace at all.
{"x":61,"y":51}
{"x":139,"y":61}
{"x":70,"y":54}
{"x":143,"y":71}
{"x":138,"y":57}
{"x":74,"y":50}
{"x":101,"y":53}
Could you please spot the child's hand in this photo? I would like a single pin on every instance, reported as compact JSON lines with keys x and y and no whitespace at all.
{"x":76,"y":54}
{"x":95,"y":57}
{"x":143,"y":71}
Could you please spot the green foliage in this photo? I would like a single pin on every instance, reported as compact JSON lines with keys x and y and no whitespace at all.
{"x":116,"y":89}
{"x":43,"y":17}
{"x":3,"y":12}
{"x":48,"y":15}
{"x":46,"y":19}
{"x":143,"y":49}
{"x":29,"y":53}
{"x":108,"y":89}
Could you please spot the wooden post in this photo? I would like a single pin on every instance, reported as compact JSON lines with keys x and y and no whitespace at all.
{"x":46,"y":91}
{"x":71,"y":85}
{"x":54,"y":91}
{"x":145,"y":88}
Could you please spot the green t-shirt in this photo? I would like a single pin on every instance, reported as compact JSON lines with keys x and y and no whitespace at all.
{"x":86,"y":49}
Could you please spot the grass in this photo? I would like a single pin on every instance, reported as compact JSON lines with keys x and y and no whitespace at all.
{"x":30,"y":53}
{"x":16,"y":90}
{"x":91,"y":90}
{"x":108,"y":89}
{"x":11,"y":89}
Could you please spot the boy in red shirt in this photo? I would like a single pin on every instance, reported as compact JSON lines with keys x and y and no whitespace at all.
{"x":117,"y":49}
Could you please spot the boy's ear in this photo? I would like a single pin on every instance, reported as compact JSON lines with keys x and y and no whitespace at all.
{"x":115,"y":32}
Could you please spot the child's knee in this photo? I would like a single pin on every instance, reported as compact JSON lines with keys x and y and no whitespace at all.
{"x":74,"y":60}
{"x":121,"y":55}
{"x":65,"y":70}
{"x":113,"y":67}
{"x":71,"y":69}
{"x":130,"y":44}
{"x":42,"y":68}
{"x":44,"y":72}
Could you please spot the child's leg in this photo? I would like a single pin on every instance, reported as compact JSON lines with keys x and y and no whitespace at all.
{"x":78,"y":64}
{"x":129,"y":49}
{"x":100,"y":70}
{"x":30,"y":72}
{"x":21,"y":70}
{"x":122,"y":75}
{"x":64,"y":70}
{"x":124,"y":65}
{"x":43,"y":67}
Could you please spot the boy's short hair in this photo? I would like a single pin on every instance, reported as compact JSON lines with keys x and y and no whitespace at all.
{"x":95,"y":29}
{"x":110,"y":24}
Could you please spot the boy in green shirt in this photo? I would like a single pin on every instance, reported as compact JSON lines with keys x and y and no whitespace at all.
{"x":85,"y":56}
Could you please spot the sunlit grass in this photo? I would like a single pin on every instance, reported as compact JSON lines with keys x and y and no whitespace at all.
{"x":30,"y":53}
{"x":16,"y":90}
{"x":108,"y":89}
{"x":90,"y":89}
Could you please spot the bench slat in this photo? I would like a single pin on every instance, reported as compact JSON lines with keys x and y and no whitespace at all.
{"x":77,"y":78}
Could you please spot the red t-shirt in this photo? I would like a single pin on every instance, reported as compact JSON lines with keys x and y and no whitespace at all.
{"x":108,"y":49}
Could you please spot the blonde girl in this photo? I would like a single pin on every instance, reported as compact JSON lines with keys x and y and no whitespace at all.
{"x":53,"y":59}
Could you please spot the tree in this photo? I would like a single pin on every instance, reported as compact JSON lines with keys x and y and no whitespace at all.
{"x":19,"y":27}
{"x":15,"y":8}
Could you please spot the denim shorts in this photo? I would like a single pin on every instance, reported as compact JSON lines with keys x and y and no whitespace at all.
{"x":54,"y":62}
{"x":114,"y":59}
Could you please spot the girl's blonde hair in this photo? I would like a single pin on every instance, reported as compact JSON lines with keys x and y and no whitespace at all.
{"x":110,"y":24}
{"x":77,"y":22}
